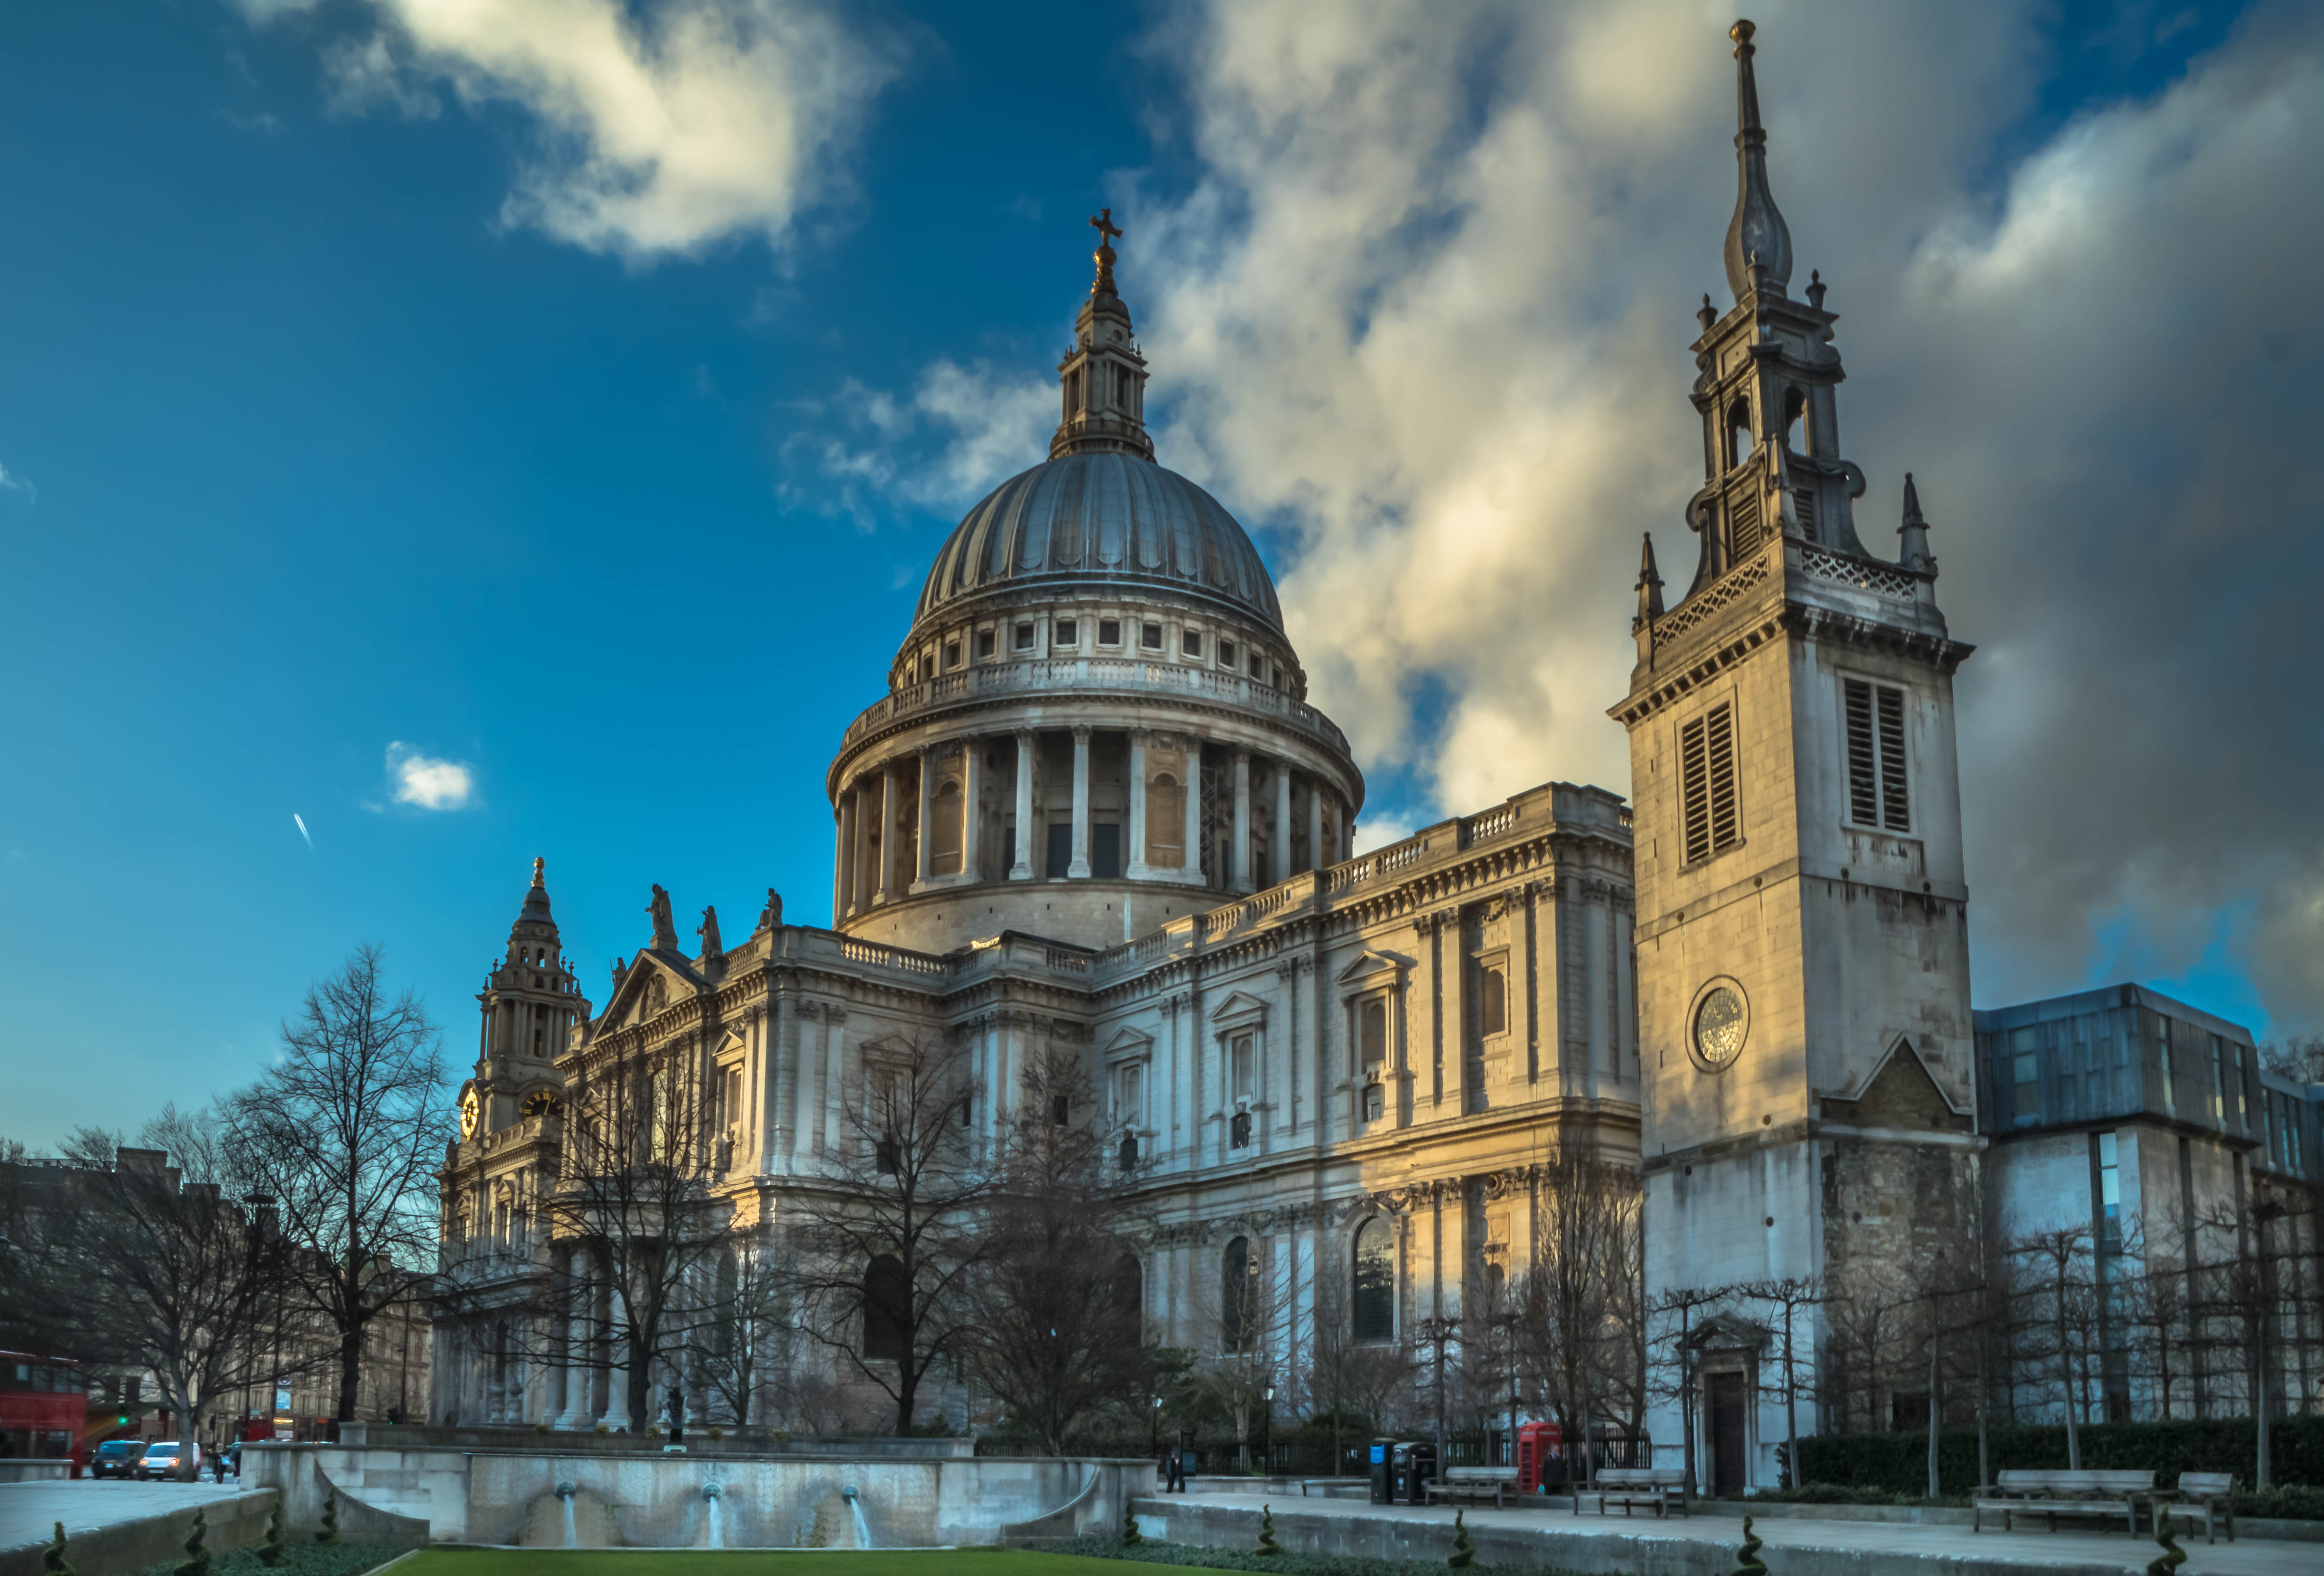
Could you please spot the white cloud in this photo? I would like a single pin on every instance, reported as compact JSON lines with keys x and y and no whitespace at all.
{"x":12,"y":483}
{"x":1427,"y":309}
{"x":428,"y":782}
{"x":963,"y":431}
{"x":662,"y":129}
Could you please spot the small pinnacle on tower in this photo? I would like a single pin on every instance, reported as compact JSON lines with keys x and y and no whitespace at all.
{"x":1816,"y":287}
{"x":1913,"y":547}
{"x":1650,"y":585}
{"x":1706,"y":314}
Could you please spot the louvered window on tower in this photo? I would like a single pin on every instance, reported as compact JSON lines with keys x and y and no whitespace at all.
{"x":1706,"y":752}
{"x":1876,"y":792}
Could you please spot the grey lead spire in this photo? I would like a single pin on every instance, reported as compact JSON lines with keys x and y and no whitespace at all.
{"x":1757,"y":233}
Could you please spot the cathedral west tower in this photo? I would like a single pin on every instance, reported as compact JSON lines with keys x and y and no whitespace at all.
{"x":1802,"y":934}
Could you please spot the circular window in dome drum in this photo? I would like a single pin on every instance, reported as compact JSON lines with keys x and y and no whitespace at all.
{"x":1718,"y":1023}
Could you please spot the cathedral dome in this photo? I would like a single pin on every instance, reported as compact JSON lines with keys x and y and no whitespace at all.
{"x":1086,"y":522}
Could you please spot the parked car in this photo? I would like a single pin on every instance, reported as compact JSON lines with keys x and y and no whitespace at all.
{"x":163,"y":1456}
{"x":115,"y":1458}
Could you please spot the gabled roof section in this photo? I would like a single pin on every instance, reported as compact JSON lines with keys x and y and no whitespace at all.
{"x":1369,"y":967}
{"x":1901,"y":1092}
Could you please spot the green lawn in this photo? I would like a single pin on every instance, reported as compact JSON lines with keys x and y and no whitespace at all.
{"x":766,"y":1562}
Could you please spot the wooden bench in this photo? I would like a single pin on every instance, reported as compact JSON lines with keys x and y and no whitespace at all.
{"x":2053,"y":1494}
{"x":1474,"y":1483}
{"x":1660,"y":1488}
{"x":2203,"y":1493}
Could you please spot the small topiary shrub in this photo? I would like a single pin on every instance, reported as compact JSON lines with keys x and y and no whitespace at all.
{"x":1464,"y":1552}
{"x":1130,"y":1537}
{"x":2171,"y":1557}
{"x":53,"y":1558}
{"x":1266,"y":1543}
{"x":1747,"y":1558}
{"x":198,"y":1558}
{"x":329,"y":1531}
{"x":272,"y":1552}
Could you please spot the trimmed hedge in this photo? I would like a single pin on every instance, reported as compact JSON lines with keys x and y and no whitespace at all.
{"x":1898,"y":1464}
{"x":1151,"y":1552}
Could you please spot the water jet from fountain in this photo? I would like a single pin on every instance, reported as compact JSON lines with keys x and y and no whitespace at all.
{"x":572,"y":1536}
{"x":855,"y":1504}
{"x":717,"y":1531}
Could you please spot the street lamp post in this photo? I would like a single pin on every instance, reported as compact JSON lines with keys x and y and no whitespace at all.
{"x":1266,"y":1431}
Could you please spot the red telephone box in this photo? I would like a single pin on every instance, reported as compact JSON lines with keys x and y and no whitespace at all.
{"x":1541,"y":1457}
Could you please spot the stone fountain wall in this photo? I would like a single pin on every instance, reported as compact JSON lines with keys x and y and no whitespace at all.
{"x":664,"y":1501}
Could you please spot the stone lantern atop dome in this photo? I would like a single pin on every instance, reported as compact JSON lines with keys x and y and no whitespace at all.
{"x":1096,"y":723}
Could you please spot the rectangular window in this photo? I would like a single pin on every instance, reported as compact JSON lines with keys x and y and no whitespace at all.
{"x":1024,"y":637}
{"x":2170,"y":1073}
{"x":1375,"y":1102}
{"x":2219,"y":1081}
{"x":2242,"y":1112}
{"x":1105,"y":849}
{"x":952,"y":655}
{"x":1226,"y":653}
{"x":1706,"y":749}
{"x":984,"y":642}
{"x":1876,"y":792}
{"x":1190,"y":643}
{"x":2026,"y":1074}
{"x":1258,"y":667}
{"x":1061,"y":850}
{"x":1149,"y":636}
{"x":1129,"y":1094}
{"x":2109,"y":1199}
{"x":1241,"y":1057}
{"x":1109,"y":632}
{"x":1239,"y":1130}
{"x":1069,"y":632}
{"x":1493,"y":1002}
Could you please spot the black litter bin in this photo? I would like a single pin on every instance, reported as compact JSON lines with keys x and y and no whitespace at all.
{"x":1383,"y":1473}
{"x":1416,"y":1468}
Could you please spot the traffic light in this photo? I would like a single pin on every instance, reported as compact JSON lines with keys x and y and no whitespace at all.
{"x":121,"y":1420}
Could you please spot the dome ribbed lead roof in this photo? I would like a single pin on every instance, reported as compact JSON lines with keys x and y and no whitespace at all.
{"x":1111,"y":518}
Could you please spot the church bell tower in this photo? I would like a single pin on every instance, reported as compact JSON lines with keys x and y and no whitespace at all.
{"x":1802,"y":942}
{"x":530,"y":1004}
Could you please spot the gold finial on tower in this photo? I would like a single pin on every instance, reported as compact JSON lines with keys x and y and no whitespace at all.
{"x":1108,"y":232}
{"x":538,"y":865}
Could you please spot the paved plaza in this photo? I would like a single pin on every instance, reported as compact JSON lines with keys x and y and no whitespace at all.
{"x":29,"y":1512}
{"x":1706,"y":1541}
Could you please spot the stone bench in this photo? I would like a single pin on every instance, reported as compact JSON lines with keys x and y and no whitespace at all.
{"x":1659,"y":1488}
{"x":2203,"y":1493}
{"x":1474,"y":1483}
{"x":2050,"y":1493}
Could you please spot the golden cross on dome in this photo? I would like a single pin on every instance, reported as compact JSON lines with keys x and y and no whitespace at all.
{"x":1108,"y":232}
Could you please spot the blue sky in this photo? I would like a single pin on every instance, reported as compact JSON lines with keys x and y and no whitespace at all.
{"x":325,"y":453}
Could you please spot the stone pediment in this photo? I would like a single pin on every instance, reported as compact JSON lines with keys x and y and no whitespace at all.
{"x":1127,"y":1046}
{"x":638,"y":998}
{"x":1368,"y":968}
{"x":1238,"y":1011}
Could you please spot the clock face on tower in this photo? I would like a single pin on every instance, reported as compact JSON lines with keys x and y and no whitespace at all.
{"x":471,"y":1108}
{"x":1718,"y":1023}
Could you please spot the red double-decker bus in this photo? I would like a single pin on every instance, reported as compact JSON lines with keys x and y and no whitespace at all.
{"x":43,"y":1403}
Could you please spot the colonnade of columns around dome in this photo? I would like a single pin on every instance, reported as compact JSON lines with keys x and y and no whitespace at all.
{"x":1144,"y":805}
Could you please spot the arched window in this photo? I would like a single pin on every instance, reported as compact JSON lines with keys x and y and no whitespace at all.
{"x":1739,"y":432}
{"x":1166,"y":823}
{"x":1373,"y":1300}
{"x":945,"y":841}
{"x":1238,"y":1296}
{"x":887,"y":1310}
{"x":1799,"y":431}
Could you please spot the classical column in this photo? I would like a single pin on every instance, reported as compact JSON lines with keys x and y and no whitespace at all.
{"x":1080,"y":868}
{"x":890,"y":809}
{"x":1347,"y":830}
{"x":1241,"y":845}
{"x":575,"y":1414}
{"x":806,"y":1124}
{"x":1135,"y":866}
{"x":1318,"y":856}
{"x":1279,"y":843}
{"x":616,"y":1417}
{"x":834,"y":1074}
{"x":850,"y":865}
{"x":972,"y":814}
{"x":1192,"y":870}
{"x":922,"y":867}
{"x":1021,"y":868}
{"x":838,"y":861}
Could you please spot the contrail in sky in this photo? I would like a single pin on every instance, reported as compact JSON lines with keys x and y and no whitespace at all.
{"x":302,"y":830}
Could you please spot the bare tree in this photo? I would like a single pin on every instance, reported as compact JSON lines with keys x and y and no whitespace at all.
{"x":2299,"y":1060}
{"x":888,"y":1236}
{"x":1678,"y":1310}
{"x":1350,"y":1380}
{"x":346,"y":1129}
{"x":1787,"y":1297}
{"x":636,"y":1200}
{"x":157,"y":1259}
{"x":1581,"y":1324}
{"x":745,"y":1344}
{"x":1246,"y":1322}
{"x":1057,"y":1289}
{"x":2062,"y":1284}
